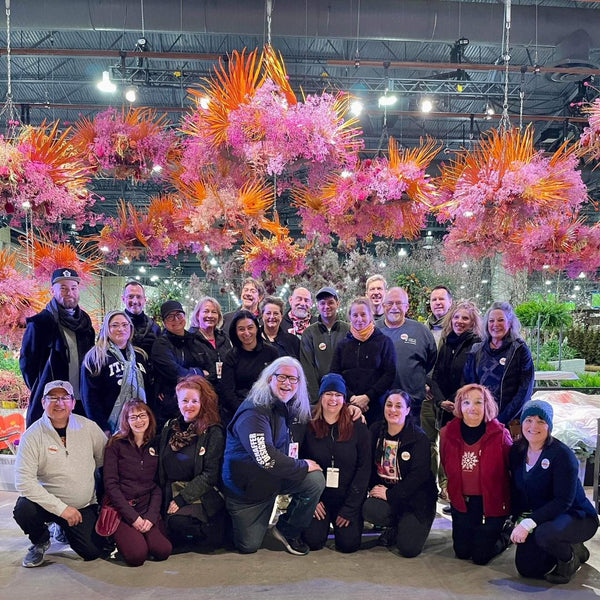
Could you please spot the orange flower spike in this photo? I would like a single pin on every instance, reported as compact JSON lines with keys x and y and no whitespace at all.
{"x":276,"y":71}
{"x":303,"y":197}
{"x":256,"y":198}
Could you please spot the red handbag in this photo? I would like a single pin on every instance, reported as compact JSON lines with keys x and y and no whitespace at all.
{"x":108,"y":519}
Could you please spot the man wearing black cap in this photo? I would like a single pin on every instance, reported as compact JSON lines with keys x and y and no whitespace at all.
{"x":319,"y":340}
{"x":175,"y":354}
{"x":56,"y":341}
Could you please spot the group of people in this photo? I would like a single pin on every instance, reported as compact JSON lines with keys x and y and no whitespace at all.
{"x":205,"y":433}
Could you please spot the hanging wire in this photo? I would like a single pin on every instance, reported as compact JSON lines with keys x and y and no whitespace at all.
{"x":8,"y":111}
{"x":522,"y":96}
{"x":504,"y":124}
{"x":269,"y":11}
{"x":357,"y":53}
{"x":142,"y":13}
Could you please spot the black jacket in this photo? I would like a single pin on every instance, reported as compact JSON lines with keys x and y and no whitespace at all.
{"x":45,"y":357}
{"x":204,"y":486}
{"x":508,"y":372}
{"x":416,"y":490}
{"x":448,"y":370}
{"x":367,"y":368}
{"x":174,"y":357}
{"x":285,"y":343}
{"x":352,"y":458}
{"x":240,"y":370}
{"x":215,"y":355}
{"x":145,"y":331}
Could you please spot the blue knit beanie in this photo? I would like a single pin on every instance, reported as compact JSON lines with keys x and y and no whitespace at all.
{"x":332,"y":382}
{"x":541,"y":409}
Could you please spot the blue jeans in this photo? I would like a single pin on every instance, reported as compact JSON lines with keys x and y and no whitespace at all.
{"x":250,"y":521}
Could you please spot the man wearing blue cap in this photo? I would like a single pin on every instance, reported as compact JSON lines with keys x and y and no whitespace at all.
{"x":55,"y":342}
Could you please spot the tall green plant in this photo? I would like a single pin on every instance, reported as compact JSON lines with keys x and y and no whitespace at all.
{"x":545,"y":311}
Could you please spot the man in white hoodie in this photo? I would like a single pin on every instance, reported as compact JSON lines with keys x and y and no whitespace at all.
{"x":54,"y":475}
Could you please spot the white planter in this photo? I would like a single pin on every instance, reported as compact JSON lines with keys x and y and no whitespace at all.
{"x":7,"y":472}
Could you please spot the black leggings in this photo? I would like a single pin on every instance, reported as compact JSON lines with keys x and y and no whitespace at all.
{"x":347,"y":539}
{"x":412,"y":528}
{"x":550,"y":542}
{"x":474,"y":536}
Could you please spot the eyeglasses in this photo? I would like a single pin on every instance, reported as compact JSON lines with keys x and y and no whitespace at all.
{"x":390,"y":303}
{"x":139,"y":417}
{"x":63,"y":399}
{"x":119,"y":325}
{"x":291,"y":378}
{"x":174,"y":317}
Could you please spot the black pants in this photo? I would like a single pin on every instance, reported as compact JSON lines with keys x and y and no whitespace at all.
{"x":412,"y":527}
{"x":33,"y":520}
{"x":347,"y":539}
{"x":550,"y":542}
{"x":474,"y":536}
{"x":185,"y":529}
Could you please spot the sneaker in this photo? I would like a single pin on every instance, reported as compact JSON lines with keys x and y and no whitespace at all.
{"x":293,"y":545}
{"x":35,"y":555}
{"x":57,"y":532}
{"x":447,"y":510}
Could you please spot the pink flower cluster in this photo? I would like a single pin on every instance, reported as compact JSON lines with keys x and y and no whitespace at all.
{"x":275,"y":258}
{"x":377,"y":199}
{"x":29,"y":182}
{"x":128,"y":145}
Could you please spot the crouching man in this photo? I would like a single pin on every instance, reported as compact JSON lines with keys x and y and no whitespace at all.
{"x":54,"y":475}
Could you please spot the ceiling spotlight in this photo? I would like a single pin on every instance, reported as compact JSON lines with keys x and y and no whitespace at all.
{"x":402,"y":252}
{"x":142,"y":269}
{"x":426,"y":105}
{"x":126,"y":261}
{"x":131,"y":94}
{"x":345,"y":174}
{"x":104,"y":249}
{"x":157,"y":168}
{"x":204,"y":102}
{"x":489,"y":111}
{"x":387,"y":100}
{"x":154,"y":278}
{"x":581,"y":275}
{"x":213,"y":261}
{"x":105,"y":84}
{"x":356,"y":107}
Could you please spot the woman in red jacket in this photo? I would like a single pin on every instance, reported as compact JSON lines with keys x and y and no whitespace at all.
{"x":474,"y":449}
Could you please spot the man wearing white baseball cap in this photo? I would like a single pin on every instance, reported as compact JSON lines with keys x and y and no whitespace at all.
{"x":54,"y":475}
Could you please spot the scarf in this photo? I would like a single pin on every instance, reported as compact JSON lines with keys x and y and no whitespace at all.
{"x":181,"y":439}
{"x":299,"y":324}
{"x":132,"y":382}
{"x":362,"y":335}
{"x":79,"y":323}
{"x":434,"y":323}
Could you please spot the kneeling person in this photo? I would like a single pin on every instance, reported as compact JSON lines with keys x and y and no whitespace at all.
{"x":261,"y":460}
{"x":54,"y":474}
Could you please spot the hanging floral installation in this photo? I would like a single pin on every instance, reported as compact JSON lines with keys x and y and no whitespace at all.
{"x":248,"y":116}
{"x":589,"y":142}
{"x":153,"y":233}
{"x":133,"y":145}
{"x":42,"y":176}
{"x":20,"y":297}
{"x":504,"y":194}
{"x":274,"y":255}
{"x":388,"y":197}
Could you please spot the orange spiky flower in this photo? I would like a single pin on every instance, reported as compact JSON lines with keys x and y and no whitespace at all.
{"x":275,"y":70}
{"x":231,"y":86}
{"x":49,"y":256}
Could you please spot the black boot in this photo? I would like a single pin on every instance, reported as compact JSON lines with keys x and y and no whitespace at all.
{"x":388,"y":537}
{"x":582,"y":553}
{"x":563,"y":571}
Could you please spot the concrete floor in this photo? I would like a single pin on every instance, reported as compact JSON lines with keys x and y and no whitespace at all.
{"x":271,"y":573}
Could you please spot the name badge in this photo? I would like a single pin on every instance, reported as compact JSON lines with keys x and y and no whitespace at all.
{"x":332,"y":479}
{"x":293,"y":450}
{"x":219,"y":368}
